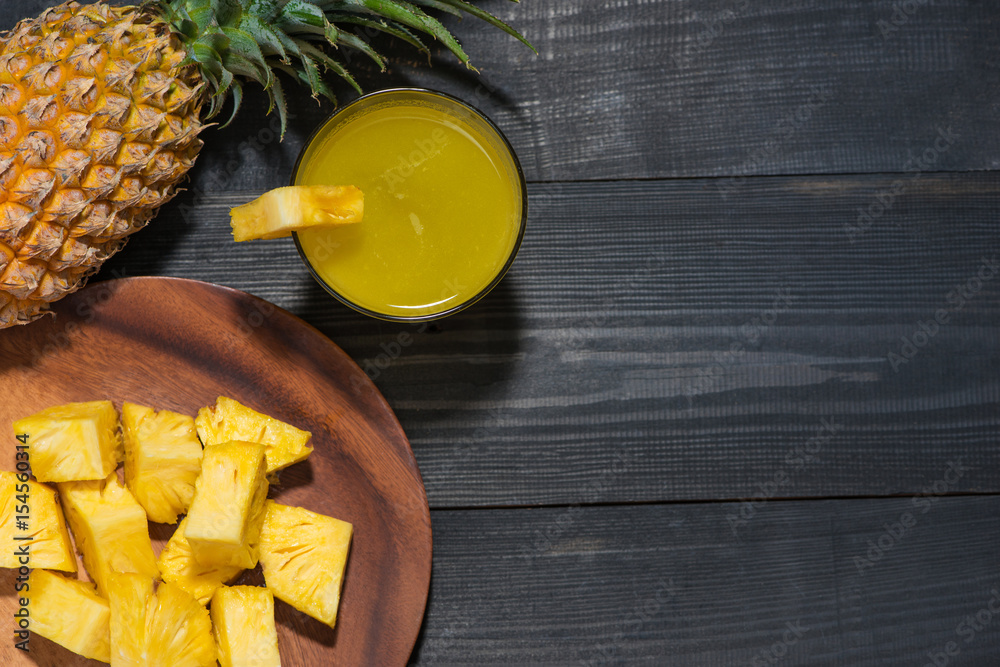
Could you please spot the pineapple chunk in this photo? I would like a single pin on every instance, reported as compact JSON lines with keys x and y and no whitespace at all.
{"x":303,"y":555}
{"x":231,"y":420}
{"x":243,"y":622}
{"x":279,"y":212}
{"x":168,"y":628}
{"x":110,"y":529}
{"x":178,"y":566}
{"x":128,"y":594}
{"x":71,"y":442}
{"x":162,"y":460}
{"x":223,"y":524}
{"x":70,"y":613}
{"x":49,"y":546}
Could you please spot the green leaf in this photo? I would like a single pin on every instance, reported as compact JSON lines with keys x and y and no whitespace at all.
{"x":237,"y":92}
{"x":390,"y":28}
{"x":355,"y":42}
{"x":227,"y":12}
{"x":331,"y":65}
{"x":437,"y":4}
{"x":241,"y":43}
{"x":485,"y":16}
{"x":304,"y":12}
{"x":414,"y":17}
{"x":266,"y":38}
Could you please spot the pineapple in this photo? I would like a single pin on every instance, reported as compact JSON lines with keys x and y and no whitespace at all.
{"x":279,"y":212}
{"x":231,"y":420}
{"x":162,"y":460}
{"x":72,"y":442}
{"x":243,"y":623}
{"x":178,"y":566}
{"x":223,"y":524}
{"x":70,"y":613}
{"x":48,"y":544}
{"x":110,"y":529}
{"x":303,"y":555}
{"x":101,"y":112}
{"x":167,"y":628}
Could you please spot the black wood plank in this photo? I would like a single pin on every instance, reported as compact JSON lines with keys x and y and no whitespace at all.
{"x":725,"y":88}
{"x":671,"y":584}
{"x":655,"y":341}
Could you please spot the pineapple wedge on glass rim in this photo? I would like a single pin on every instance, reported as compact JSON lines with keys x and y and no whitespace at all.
{"x":70,"y":613}
{"x":243,"y":624}
{"x":71,"y":442}
{"x":165,"y":628}
{"x":178,"y":566}
{"x":222,"y":527}
{"x":230,"y":420}
{"x":48,"y":545}
{"x":110,"y":529}
{"x":162,"y":460}
{"x":303,"y":555}
{"x":294,"y":208}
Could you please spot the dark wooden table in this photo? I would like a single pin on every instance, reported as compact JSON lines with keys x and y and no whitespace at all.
{"x":737,"y":401}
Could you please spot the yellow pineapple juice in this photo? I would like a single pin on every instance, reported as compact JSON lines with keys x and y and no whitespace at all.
{"x":444,"y":205}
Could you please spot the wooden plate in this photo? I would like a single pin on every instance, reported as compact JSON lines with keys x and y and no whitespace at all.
{"x":178,"y":344}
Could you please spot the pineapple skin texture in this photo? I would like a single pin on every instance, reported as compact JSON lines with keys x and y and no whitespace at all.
{"x":178,"y":566}
{"x":243,"y":623}
{"x":74,"y":441}
{"x":110,"y":529}
{"x":223,"y":523}
{"x":49,"y":547}
{"x":279,"y":212}
{"x":99,"y":122}
{"x":70,"y":613}
{"x":162,"y":460}
{"x":168,"y":628}
{"x":303,"y":556}
{"x":231,"y":420}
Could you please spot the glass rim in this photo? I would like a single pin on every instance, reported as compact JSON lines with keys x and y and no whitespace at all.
{"x":508,"y":148}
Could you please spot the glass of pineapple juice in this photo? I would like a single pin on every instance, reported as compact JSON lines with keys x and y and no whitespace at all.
{"x":445,"y":204}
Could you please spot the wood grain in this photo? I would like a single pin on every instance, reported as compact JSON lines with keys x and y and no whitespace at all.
{"x":178,"y":344}
{"x":609,"y":345}
{"x":672,"y":584}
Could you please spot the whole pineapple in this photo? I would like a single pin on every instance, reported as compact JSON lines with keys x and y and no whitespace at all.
{"x":101,"y":109}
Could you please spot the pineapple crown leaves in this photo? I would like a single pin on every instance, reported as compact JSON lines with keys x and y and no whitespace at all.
{"x":232,"y":41}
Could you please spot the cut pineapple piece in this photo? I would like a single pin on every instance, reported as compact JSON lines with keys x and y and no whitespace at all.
{"x":39,"y":538}
{"x":223,"y":524}
{"x":303,"y":555}
{"x":231,"y":420}
{"x":162,"y":460}
{"x":243,"y":623}
{"x":178,"y":566}
{"x":70,"y":613}
{"x":281,"y":211}
{"x":109,"y":527}
{"x":71,"y":442}
{"x":128,"y":594}
{"x":168,"y":628}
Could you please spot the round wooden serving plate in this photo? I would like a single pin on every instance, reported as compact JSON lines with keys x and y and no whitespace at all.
{"x":179,"y":344}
